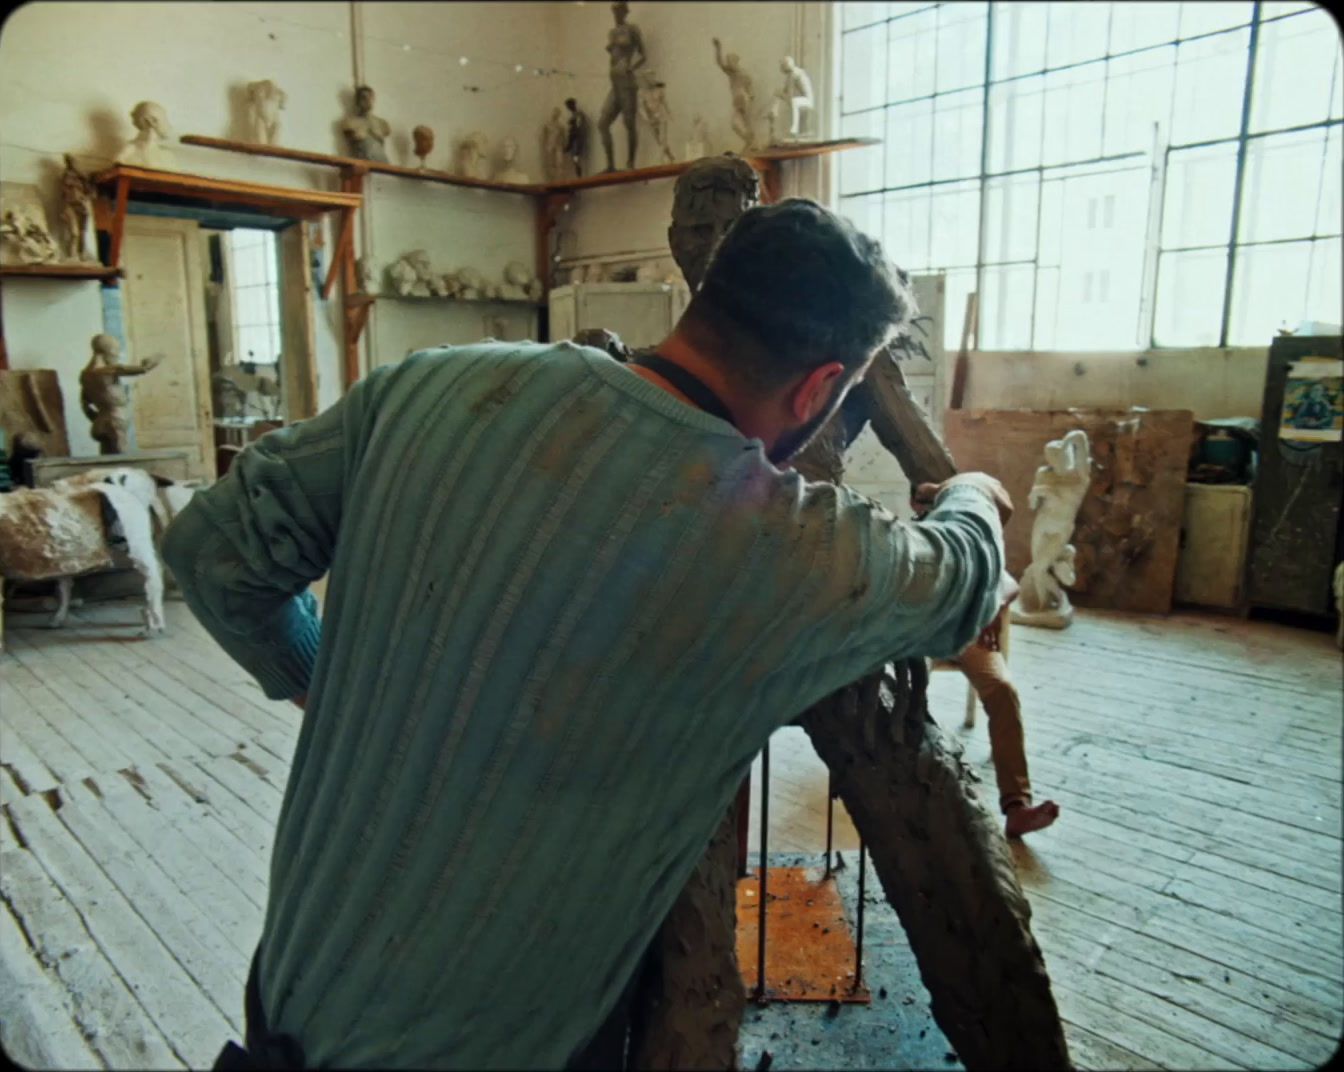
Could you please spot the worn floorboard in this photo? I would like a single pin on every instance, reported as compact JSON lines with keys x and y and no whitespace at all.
{"x":1188,"y":901}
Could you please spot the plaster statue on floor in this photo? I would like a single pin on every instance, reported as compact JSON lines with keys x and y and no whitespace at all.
{"x":697,"y":145}
{"x":265,"y":101}
{"x":653,"y":107}
{"x":1060,"y":487}
{"x":413,"y":275}
{"x":149,"y":148}
{"x":554,"y":135}
{"x":77,"y":195}
{"x":422,"y":142}
{"x":26,"y":232}
{"x":365,"y":132}
{"x":576,"y":138}
{"x":507,"y":169}
{"x":626,"y":48}
{"x":104,"y":399}
{"x":795,"y":98}
{"x":473,"y":156}
{"x":744,"y":96}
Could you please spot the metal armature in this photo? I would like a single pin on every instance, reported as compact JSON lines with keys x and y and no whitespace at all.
{"x":760,"y":994}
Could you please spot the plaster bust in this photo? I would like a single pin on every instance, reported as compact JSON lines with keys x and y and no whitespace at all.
{"x":265,"y":100}
{"x":422,"y":139}
{"x":508,"y":170}
{"x":708,"y":198}
{"x":365,"y":132}
{"x":149,"y":147}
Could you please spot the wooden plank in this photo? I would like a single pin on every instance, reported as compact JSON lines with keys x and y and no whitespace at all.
{"x":58,"y":271}
{"x":58,"y":750}
{"x":1090,"y":1051}
{"x":106,"y":1011}
{"x":195,"y":1027}
{"x":30,"y":774}
{"x":194,"y":939}
{"x":1128,"y":529}
{"x":38,"y":1028}
{"x":251,"y":794}
{"x":298,"y":200}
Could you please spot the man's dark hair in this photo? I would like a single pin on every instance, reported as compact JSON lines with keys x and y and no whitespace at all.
{"x":792,"y":286}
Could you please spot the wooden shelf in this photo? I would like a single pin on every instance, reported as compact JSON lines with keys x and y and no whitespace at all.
{"x":276,"y":200}
{"x":438,"y":300}
{"x":58,"y":271}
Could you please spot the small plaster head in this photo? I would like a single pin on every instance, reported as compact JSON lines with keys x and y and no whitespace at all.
{"x":149,"y":115}
{"x":364,"y":97}
{"x":106,"y":347}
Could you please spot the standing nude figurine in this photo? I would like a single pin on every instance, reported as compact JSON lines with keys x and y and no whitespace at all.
{"x":626,"y":48}
{"x":744,"y":96}
{"x":796,"y":96}
{"x":1060,"y":487}
{"x":104,"y":399}
{"x":653,"y":106}
{"x":76,"y":211}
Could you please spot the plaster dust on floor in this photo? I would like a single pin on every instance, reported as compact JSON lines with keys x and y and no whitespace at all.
{"x":895,"y":1031}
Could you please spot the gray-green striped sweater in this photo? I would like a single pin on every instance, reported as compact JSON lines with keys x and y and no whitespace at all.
{"x":564,"y":612}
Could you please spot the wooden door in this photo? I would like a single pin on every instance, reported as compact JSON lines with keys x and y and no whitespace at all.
{"x":298,"y":361}
{"x":164,"y":308}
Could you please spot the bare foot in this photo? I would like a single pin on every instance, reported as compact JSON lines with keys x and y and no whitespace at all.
{"x":1023,"y":819}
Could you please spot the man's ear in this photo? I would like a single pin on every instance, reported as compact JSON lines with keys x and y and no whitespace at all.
{"x":816,"y":390}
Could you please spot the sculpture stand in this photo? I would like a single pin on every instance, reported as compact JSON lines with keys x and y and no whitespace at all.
{"x":1058,"y":618}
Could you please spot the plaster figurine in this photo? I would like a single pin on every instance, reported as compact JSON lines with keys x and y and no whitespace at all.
{"x":149,"y":147}
{"x":365,"y":132}
{"x":508,"y":170}
{"x":1060,"y":487}
{"x":519,"y":282}
{"x":412,"y":275}
{"x":626,"y":48}
{"x":697,"y":145}
{"x":744,"y":96}
{"x":422,"y":141}
{"x":77,"y":195}
{"x":554,"y":135}
{"x":795,"y":96}
{"x":265,"y":101}
{"x":576,"y":138}
{"x":365,"y":275}
{"x":653,"y":107}
{"x":104,"y":400}
{"x":472,"y":286}
{"x":27,"y":233}
{"x":473,"y":156}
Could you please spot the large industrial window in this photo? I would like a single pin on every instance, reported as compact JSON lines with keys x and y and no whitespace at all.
{"x":1106,"y":176}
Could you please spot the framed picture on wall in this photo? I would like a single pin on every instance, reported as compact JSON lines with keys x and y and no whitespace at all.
{"x":1313,"y":401}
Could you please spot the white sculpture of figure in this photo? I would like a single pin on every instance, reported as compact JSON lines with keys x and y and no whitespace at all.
{"x":29,"y":235}
{"x":1060,"y":487}
{"x":365,"y":132}
{"x":653,"y":107}
{"x":698,"y":144}
{"x":518,"y":280}
{"x":508,"y":170}
{"x":470,"y":281}
{"x":796,"y":96}
{"x":473,"y":157}
{"x":365,"y":275}
{"x":744,"y":96}
{"x":149,"y":146}
{"x":413,"y":275}
{"x":77,"y":196}
{"x":265,"y":100}
{"x":554,"y":134}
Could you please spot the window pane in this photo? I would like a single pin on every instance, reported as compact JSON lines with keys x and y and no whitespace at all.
{"x":1325,"y":289}
{"x":909,"y":143}
{"x":862,"y":169}
{"x":1143,"y":23}
{"x":1047,"y":309}
{"x":910,"y":67}
{"x":1197,"y":209}
{"x":1283,"y":179}
{"x":1332,"y":186}
{"x":1138,"y":94}
{"x":1077,"y":32}
{"x":1019,"y":38}
{"x":1005,"y":308}
{"x":861,"y":14}
{"x":1337,"y":87}
{"x":960,"y":283}
{"x":1210,"y":80}
{"x":956,"y":145}
{"x":1073,"y":100}
{"x":1293,"y":64}
{"x":864,"y":74}
{"x":956,"y":224}
{"x":1050,"y":234}
{"x":905,"y":236}
{"x":865,"y":213}
{"x":1273,"y":10}
{"x":1015,"y":124}
{"x":1203,"y":17}
{"x":961,"y":46}
{"x":1190,"y":298}
{"x":1010,"y":218}
{"x":1269,"y":291}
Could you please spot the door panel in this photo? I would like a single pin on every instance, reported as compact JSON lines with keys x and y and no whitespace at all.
{"x":164,"y":307}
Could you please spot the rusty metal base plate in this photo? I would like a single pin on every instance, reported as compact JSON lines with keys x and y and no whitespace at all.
{"x":809,"y":951}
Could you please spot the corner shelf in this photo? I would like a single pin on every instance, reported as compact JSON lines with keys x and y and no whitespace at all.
{"x":59,"y":271}
{"x":435,"y":299}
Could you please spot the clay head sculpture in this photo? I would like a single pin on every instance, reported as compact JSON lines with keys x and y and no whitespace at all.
{"x":148,"y":148}
{"x":708,"y":198}
{"x":365,"y":132}
{"x":422,"y":138}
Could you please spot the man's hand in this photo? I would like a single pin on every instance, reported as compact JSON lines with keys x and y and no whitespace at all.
{"x":924,"y":494}
{"x":301,"y":702}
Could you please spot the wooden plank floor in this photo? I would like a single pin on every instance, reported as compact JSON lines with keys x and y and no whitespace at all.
{"x":1188,"y":900}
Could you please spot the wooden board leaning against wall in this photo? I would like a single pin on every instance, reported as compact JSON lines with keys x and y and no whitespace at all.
{"x":1128,"y":528}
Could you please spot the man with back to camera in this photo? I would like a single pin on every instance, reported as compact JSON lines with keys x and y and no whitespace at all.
{"x":568,"y":602}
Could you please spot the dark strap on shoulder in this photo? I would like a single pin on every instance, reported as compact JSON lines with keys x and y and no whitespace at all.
{"x":687,"y":383}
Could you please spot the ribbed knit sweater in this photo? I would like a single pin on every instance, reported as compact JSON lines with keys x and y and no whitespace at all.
{"x":564,"y":612}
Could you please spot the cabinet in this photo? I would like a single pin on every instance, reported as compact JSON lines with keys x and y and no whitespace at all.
{"x":642,"y":314}
{"x":1215,"y":534}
